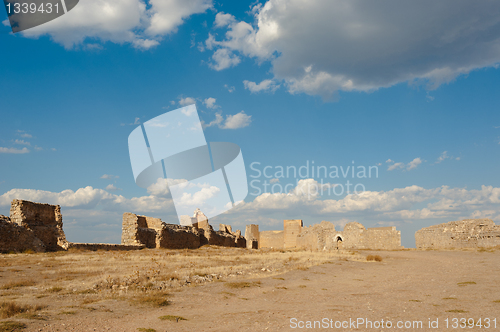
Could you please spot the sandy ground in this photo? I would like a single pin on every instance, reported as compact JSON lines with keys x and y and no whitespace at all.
{"x":406,"y":287}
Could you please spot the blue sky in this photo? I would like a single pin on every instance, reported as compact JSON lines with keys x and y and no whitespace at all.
{"x":420,"y":102}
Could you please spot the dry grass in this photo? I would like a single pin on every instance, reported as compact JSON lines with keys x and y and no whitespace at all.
{"x":458,"y":311}
{"x":465,"y":283}
{"x":142,"y":329}
{"x":17,"y":284}
{"x":141,"y":277}
{"x":242,"y":284}
{"x":375,"y":258}
{"x":11,"y":326}
{"x":155,"y":299}
{"x":9,"y":309}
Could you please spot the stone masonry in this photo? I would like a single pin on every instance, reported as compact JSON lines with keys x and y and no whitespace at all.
{"x":252,"y":236}
{"x":324,"y":236}
{"x":32,"y":226}
{"x":154,"y":233}
{"x":467,"y":233}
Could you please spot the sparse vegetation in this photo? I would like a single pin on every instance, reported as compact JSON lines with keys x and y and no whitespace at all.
{"x":172,"y":318}
{"x":376,"y":258}
{"x":449,"y":298}
{"x":17,"y":284}
{"x":457,"y":311}
{"x":465,"y":283}
{"x":415,"y":301}
{"x":54,"y":289}
{"x":242,"y":284}
{"x":157,"y":299}
{"x":9,"y":309}
{"x":11,"y":326}
{"x":142,"y":329}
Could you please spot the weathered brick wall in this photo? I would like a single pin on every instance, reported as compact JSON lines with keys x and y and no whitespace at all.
{"x":292,"y":229}
{"x":44,"y":220}
{"x":271,"y":239}
{"x":179,"y":237}
{"x":467,"y":233}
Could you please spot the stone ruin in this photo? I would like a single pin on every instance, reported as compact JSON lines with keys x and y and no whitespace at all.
{"x":32,"y":226}
{"x":467,"y":233}
{"x":323,"y":236}
{"x":154,"y":233}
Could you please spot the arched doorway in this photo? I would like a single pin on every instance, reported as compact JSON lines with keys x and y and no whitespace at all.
{"x":339,"y":241}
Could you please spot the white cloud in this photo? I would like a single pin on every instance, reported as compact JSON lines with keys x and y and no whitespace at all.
{"x":320,"y":47}
{"x":119,"y":21}
{"x":223,"y":58}
{"x":411,"y":165}
{"x":24,"y":134}
{"x":229,"y":88}
{"x":186,"y":101}
{"x":222,"y":20}
{"x":239,"y":120}
{"x":14,"y":150}
{"x":22,"y":142}
{"x":396,"y":166}
{"x":112,"y":187}
{"x":265,"y":85}
{"x":210,"y":102}
{"x":109,"y":177}
{"x":236,"y":121}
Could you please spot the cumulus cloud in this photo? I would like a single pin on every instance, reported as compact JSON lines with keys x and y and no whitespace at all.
{"x":222,"y":20}
{"x":411,"y":165}
{"x":14,"y":150}
{"x":236,"y":121}
{"x":320,"y":47}
{"x":239,"y":120}
{"x":186,"y":101}
{"x":112,"y":187}
{"x":136,"y":22}
{"x":265,"y":85}
{"x":210,"y":102}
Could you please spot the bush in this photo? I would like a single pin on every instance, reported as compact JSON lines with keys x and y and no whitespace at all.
{"x":375,"y":258}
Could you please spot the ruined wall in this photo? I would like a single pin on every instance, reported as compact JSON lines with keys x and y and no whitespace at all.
{"x":323,"y":236}
{"x":467,"y":233}
{"x":252,"y":236}
{"x":318,"y":237}
{"x":271,"y":239}
{"x":44,"y":220}
{"x":15,"y":238}
{"x":356,"y":236}
{"x":154,"y":233}
{"x":292,"y":229}
{"x":103,"y":246}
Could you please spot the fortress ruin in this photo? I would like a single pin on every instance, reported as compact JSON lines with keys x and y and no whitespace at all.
{"x":154,"y":233}
{"x":467,"y":233}
{"x":323,"y":236}
{"x":39,"y":227}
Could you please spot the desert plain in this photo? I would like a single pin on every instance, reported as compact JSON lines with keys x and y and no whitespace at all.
{"x":235,"y":289}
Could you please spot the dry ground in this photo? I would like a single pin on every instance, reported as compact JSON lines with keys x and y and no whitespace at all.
{"x":229,"y":289}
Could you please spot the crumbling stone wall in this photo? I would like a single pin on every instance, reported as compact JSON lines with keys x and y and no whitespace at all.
{"x":324,"y":236}
{"x":467,"y":233}
{"x":252,"y":236}
{"x":154,"y":233}
{"x":292,"y":229}
{"x":15,"y":238}
{"x":43,"y":220}
{"x":271,"y":239}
